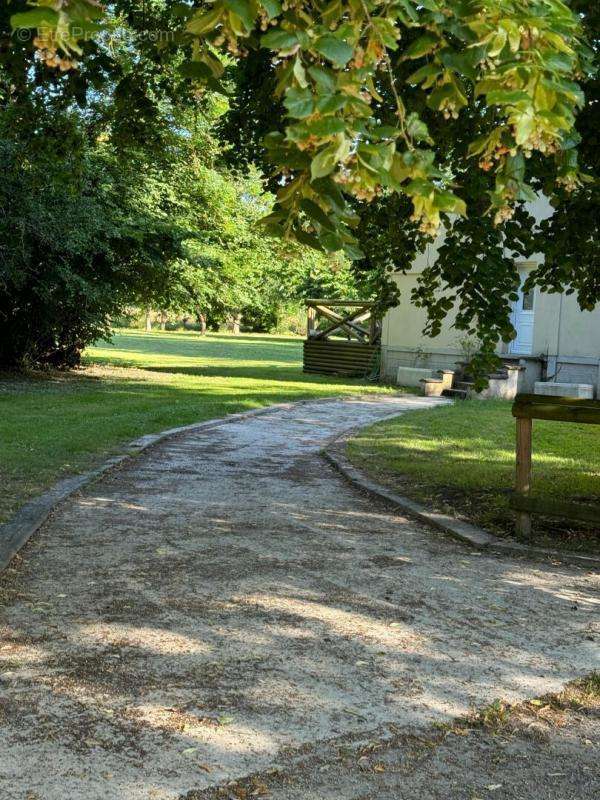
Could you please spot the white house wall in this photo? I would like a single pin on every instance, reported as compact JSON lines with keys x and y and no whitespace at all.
{"x":566,"y":340}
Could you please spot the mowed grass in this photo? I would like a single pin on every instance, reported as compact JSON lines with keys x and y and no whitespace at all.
{"x":59,"y":424}
{"x":460,"y":459}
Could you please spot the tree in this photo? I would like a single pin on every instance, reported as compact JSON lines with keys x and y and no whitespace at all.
{"x":112,"y":195}
{"x":392,"y":105}
{"x":230,"y":268}
{"x":80,"y":236}
{"x":476,"y":266}
{"x":334,"y":59}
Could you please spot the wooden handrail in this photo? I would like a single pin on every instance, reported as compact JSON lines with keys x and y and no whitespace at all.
{"x":526,"y":408}
{"x":559,"y":409}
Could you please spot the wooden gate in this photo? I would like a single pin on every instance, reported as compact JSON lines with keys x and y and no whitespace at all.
{"x":343,"y":337}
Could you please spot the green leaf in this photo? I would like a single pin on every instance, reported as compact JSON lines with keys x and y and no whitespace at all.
{"x":419,"y":187}
{"x":202,"y":23}
{"x":331,"y":241}
{"x":37,"y":18}
{"x":411,"y":13}
{"x":449,"y":202}
{"x":571,"y":89}
{"x":278,"y":39}
{"x":197,"y":70}
{"x":323,"y":78}
{"x":558,"y":62}
{"x":327,"y":126}
{"x":316,"y":213}
{"x":324,"y":162}
{"x":308,"y":239}
{"x":182,"y":10}
{"x":447,"y":93}
{"x":331,"y":103}
{"x":243,"y":10}
{"x":417,"y":129}
{"x":272,"y":7}
{"x":524,"y":128}
{"x":332,"y":12}
{"x":216,"y":67}
{"x":388,"y":32}
{"x":299,"y":102}
{"x":284,"y":76}
{"x":498,"y":43}
{"x":300,"y":73}
{"x":526,"y":193}
{"x":426,"y":71}
{"x":353,"y":251}
{"x":330,"y":191}
{"x":422,"y":46}
{"x":507,"y":97}
{"x":333,"y":49}
{"x":463,"y":63}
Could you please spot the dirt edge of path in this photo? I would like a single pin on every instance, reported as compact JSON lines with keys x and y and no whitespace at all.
{"x":335,"y":454}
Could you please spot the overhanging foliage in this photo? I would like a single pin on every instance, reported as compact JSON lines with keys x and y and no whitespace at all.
{"x":334,"y":63}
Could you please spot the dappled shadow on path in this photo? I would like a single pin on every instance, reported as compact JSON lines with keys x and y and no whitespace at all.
{"x":220,"y":600}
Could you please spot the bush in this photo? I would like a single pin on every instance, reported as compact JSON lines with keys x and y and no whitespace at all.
{"x":79,"y":239}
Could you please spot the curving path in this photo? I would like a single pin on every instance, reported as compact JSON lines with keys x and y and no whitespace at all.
{"x":226,"y":598}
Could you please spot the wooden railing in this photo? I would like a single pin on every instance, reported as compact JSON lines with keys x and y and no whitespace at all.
{"x":526,"y":408}
{"x":358,"y":322}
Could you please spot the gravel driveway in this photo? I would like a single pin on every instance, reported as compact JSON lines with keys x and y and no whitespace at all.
{"x":225,"y":600}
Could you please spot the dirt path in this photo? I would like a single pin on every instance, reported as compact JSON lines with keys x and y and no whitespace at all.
{"x":226,"y":599}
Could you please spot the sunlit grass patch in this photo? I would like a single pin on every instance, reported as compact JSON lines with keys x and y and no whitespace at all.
{"x":55,"y":424}
{"x":461,"y":459}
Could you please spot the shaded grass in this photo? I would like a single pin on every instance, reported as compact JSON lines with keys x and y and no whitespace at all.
{"x":52,"y":425}
{"x":460,"y":459}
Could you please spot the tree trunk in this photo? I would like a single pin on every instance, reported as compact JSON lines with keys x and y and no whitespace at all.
{"x":233,"y":323}
{"x":202,"y":322}
{"x":163,"y":320}
{"x":148,"y":319}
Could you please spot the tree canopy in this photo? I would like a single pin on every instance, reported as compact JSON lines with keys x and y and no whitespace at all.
{"x":114,"y":193}
{"x":374,"y":123}
{"x":343,"y":137}
{"x":475,"y":270}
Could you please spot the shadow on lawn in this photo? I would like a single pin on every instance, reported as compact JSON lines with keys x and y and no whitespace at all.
{"x":150,"y":341}
{"x":274,"y":372}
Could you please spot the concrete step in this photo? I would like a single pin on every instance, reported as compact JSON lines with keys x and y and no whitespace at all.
{"x":457,"y":394}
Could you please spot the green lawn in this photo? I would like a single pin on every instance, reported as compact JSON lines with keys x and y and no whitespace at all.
{"x":55,"y":425}
{"x":460,"y":459}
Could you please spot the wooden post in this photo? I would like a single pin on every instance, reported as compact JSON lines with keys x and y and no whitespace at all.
{"x":523,"y":484}
{"x":372,"y":328}
{"x":311,"y":314}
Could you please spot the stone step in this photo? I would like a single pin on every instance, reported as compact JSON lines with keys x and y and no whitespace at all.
{"x":457,"y":394}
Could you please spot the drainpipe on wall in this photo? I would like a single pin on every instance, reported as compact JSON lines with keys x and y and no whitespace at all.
{"x":552,"y":365}
{"x":560,"y":310}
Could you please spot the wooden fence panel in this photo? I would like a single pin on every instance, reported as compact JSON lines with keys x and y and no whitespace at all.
{"x":358,"y":353}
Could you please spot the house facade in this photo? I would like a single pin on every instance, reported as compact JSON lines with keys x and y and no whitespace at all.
{"x":556,"y":341}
